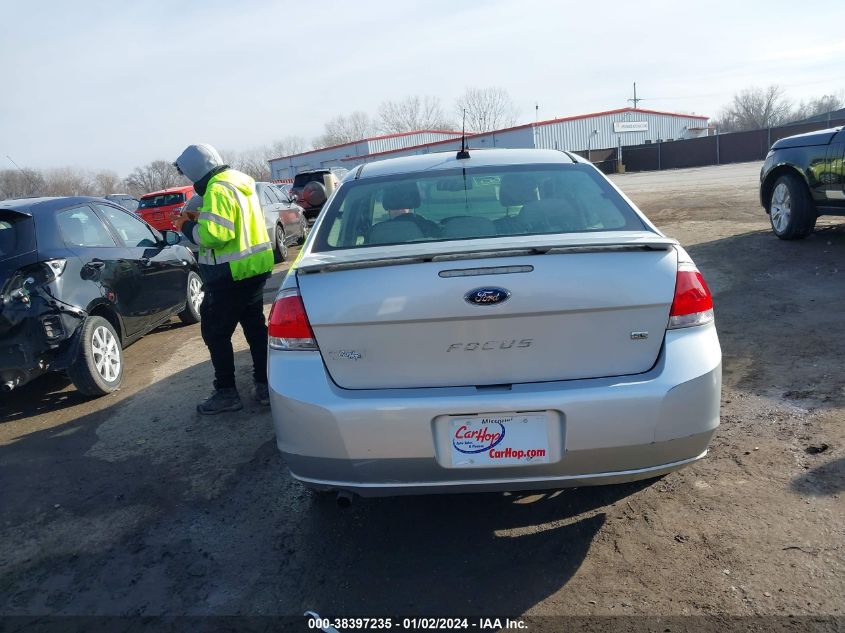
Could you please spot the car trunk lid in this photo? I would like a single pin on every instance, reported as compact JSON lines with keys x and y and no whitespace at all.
{"x":576,"y":307}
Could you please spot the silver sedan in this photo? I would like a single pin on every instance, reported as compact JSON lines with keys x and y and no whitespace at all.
{"x":506,"y":321}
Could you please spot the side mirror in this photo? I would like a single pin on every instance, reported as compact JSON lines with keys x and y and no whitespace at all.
{"x":171,"y":238}
{"x":293,"y":198}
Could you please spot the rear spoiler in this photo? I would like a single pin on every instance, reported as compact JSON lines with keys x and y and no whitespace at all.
{"x":658,"y":243}
{"x":23,"y":212}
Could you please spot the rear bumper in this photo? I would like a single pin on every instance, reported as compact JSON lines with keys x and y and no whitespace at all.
{"x":36,"y":339}
{"x":382,"y":442}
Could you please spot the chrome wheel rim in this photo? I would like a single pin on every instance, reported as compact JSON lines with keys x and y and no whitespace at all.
{"x":195,"y":293}
{"x":106,"y":352}
{"x":781,"y":207}
{"x":280,"y":242}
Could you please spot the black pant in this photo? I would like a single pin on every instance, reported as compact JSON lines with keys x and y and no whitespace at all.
{"x":221,"y":311}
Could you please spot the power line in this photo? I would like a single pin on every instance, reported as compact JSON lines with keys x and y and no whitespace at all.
{"x":23,"y":173}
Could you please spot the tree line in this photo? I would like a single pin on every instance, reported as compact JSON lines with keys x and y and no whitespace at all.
{"x":484,"y":108}
{"x":480,"y":109}
{"x":764,"y":107}
{"x":154,"y":176}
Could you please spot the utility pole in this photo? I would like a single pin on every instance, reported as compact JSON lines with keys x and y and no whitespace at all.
{"x":635,"y":101}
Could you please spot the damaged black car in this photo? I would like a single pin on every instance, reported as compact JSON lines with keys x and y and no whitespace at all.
{"x":80,"y":279}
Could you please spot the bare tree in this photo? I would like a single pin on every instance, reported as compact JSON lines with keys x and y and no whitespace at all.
{"x":819,"y":105}
{"x":106,"y":181}
{"x":345,"y":129}
{"x":287,"y":146}
{"x":487,"y":109}
{"x":68,"y":181}
{"x":754,"y":109}
{"x":252,"y":162}
{"x":157,"y":175}
{"x":20,"y":183}
{"x":412,"y":113}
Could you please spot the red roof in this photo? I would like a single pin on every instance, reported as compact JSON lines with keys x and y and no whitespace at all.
{"x":370,"y":138}
{"x":181,"y":189}
{"x":547,"y":122}
{"x":507,"y":129}
{"x":432,"y":144}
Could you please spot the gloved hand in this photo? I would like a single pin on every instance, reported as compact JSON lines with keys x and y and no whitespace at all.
{"x":184,"y":217}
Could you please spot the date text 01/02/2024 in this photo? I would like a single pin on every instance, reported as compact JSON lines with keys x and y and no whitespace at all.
{"x":332,"y":625}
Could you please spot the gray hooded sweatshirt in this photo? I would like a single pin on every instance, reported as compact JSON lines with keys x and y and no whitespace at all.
{"x":198,"y":160}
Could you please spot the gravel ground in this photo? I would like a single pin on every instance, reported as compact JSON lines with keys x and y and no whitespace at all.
{"x":133,"y":505}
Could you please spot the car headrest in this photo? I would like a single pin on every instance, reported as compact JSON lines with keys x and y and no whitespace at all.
{"x":74,"y":232}
{"x":401,"y":195}
{"x":394,"y":232}
{"x":516,"y":190}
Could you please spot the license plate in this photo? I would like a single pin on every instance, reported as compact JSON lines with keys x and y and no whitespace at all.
{"x":499,"y":440}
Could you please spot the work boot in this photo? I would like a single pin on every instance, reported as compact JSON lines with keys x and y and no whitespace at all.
{"x":222,"y":400}
{"x":262,"y":393}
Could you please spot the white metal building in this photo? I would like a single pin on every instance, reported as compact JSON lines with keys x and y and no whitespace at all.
{"x":286,"y":167}
{"x":582,"y":133}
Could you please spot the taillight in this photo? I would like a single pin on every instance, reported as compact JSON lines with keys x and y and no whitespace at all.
{"x":288,"y":328}
{"x":26,"y":279}
{"x":693,"y":303}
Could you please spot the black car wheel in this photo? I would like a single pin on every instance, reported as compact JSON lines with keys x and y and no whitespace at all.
{"x":98,"y":367}
{"x":191,"y":313}
{"x":280,"y":249}
{"x":791,"y":210}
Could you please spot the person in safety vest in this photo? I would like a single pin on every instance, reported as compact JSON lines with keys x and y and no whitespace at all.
{"x":236,"y":259}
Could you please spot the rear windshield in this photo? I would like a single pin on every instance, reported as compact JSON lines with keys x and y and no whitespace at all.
{"x":17,"y":234}
{"x":162,"y":200}
{"x":127,"y":202}
{"x":300,"y":180}
{"x":473,"y":203}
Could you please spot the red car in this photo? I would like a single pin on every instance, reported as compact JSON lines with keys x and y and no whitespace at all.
{"x":160,"y":208}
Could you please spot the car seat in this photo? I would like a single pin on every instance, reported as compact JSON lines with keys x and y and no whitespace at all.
{"x":394,"y":232}
{"x":73,"y":231}
{"x":467,"y":226}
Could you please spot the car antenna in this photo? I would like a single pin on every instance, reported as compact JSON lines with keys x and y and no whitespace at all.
{"x":464,"y":152}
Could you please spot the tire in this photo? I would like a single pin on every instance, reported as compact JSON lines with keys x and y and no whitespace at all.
{"x":98,"y":343}
{"x":304,"y":231}
{"x":314,"y":194}
{"x":280,"y":249}
{"x":191,"y":313}
{"x":792,"y":213}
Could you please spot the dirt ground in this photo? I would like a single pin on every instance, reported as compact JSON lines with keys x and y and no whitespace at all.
{"x":133,"y":505}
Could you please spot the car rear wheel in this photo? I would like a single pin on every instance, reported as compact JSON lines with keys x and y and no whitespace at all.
{"x":280,"y":250}
{"x":791,"y":210}
{"x":191,"y":313}
{"x":98,"y":367}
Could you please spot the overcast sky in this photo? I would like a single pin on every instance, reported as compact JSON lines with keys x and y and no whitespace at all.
{"x":118,"y":84}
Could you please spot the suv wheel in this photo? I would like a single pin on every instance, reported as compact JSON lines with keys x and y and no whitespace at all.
{"x":98,"y":367}
{"x":791,"y":210}
{"x":191,"y":313}
{"x":280,"y":250}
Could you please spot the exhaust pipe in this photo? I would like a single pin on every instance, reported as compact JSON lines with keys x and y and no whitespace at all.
{"x":344,"y":498}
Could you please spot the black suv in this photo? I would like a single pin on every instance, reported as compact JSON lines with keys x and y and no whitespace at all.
{"x":803,"y":178}
{"x":81,"y":278}
{"x":310,"y":192}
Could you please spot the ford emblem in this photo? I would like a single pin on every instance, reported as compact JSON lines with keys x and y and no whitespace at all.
{"x":487,"y":296}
